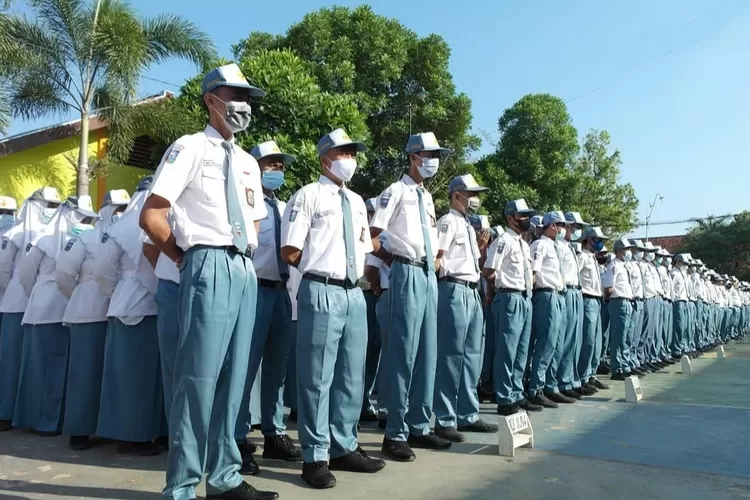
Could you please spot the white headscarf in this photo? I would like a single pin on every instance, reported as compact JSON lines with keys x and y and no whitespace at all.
{"x":33,"y":216}
{"x":112,"y":201}
{"x":66,"y":222}
{"x":126,"y":232}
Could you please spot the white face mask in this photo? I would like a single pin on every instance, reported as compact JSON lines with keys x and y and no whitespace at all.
{"x":429,"y":167}
{"x":650,"y":257}
{"x":343,"y":169}
{"x":576,"y":235}
{"x":669,"y":261}
{"x":639,"y":256}
{"x":628,"y":255}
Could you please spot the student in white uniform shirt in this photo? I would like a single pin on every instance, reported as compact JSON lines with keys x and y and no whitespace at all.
{"x":548,"y":318}
{"x":131,"y":404}
{"x":377,"y":273}
{"x":35,"y":213}
{"x":273,"y":317}
{"x":639,"y":305}
{"x":508,"y":270}
{"x":213,"y":189}
{"x":460,"y":317}
{"x":41,"y":399}
{"x":616,"y":283}
{"x":406,"y":211}
{"x":8,"y":208}
{"x":86,"y":316}
{"x":592,"y":242}
{"x":680,"y":312}
{"x":325,"y":235}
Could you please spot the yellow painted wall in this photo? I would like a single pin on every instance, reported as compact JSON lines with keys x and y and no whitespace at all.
{"x":50,"y":165}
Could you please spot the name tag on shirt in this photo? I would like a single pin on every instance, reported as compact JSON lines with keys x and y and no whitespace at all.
{"x":5,"y":244}
{"x":325,"y":213}
{"x":70,"y":245}
{"x":28,"y":247}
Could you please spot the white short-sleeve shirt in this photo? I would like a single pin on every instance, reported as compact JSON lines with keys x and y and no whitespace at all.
{"x":650,"y":281}
{"x":546,"y":264}
{"x":591,"y":279}
{"x":617,"y":277}
{"x":191,"y":177}
{"x":509,"y":255}
{"x":636,"y":278}
{"x":265,"y":259}
{"x":569,"y":264}
{"x":383,"y":268}
{"x":679,"y":284}
{"x":397,"y":211}
{"x":313,"y":222}
{"x":666,"y":281}
{"x":457,"y":239}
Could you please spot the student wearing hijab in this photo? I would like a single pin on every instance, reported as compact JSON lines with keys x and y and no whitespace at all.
{"x":86,"y":316}
{"x":35,"y":213}
{"x":8,"y":208}
{"x":131,"y":405}
{"x":44,"y":363}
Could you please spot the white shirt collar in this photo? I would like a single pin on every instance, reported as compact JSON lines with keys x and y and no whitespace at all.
{"x":406,"y":179}
{"x":214,"y":136}
{"x":328,"y":184}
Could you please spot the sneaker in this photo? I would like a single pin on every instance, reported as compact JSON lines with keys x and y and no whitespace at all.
{"x":527,"y":405}
{"x":450,"y":433}
{"x":318,"y":475}
{"x":244,"y":492}
{"x":429,"y":442}
{"x":281,"y":448}
{"x":558,"y":397}
{"x":599,"y":385}
{"x":79,"y":443}
{"x":540,"y":399}
{"x":479,"y":426}
{"x":356,"y":461}
{"x":399,"y":451}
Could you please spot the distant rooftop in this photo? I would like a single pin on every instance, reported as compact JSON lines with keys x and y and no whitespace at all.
{"x":670,"y":243}
{"x":33,"y":138}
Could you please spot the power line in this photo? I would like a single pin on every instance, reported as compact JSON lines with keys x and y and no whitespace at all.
{"x":161,"y":81}
{"x":682,"y":221}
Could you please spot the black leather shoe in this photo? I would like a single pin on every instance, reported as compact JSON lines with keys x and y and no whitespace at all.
{"x":281,"y":448}
{"x":79,"y":443}
{"x":144,"y":449}
{"x":540,"y":399}
{"x":485,"y":395}
{"x":399,"y":451}
{"x":163,"y":441}
{"x":366,"y":416}
{"x":244,"y":492}
{"x":429,"y":442}
{"x":527,"y":405}
{"x":591,"y":387}
{"x":357,"y":461}
{"x":557,"y":397}
{"x":507,"y":410}
{"x":450,"y":433}
{"x":479,"y":426}
{"x":570,"y":393}
{"x":249,"y":465}
{"x":602,"y":370}
{"x":620,"y":376}
{"x":586,"y":390}
{"x":5,"y":425}
{"x":317,"y":475}
{"x":599,"y":385}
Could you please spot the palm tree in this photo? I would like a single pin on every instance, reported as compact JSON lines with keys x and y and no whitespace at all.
{"x":76,"y":50}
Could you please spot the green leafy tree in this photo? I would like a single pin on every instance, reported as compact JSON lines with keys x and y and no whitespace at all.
{"x":535,"y":156}
{"x":597,"y":194}
{"x":75,"y":50}
{"x":295,"y":113}
{"x":722,"y":244}
{"x":400,"y":83}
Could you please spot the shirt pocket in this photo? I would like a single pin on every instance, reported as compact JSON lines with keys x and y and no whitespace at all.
{"x":213,"y":185}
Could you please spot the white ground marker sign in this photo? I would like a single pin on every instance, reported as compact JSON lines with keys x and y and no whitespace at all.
{"x":515,"y":432}
{"x":633,"y":391}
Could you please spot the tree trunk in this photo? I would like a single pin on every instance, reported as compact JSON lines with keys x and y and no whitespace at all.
{"x":82,"y":178}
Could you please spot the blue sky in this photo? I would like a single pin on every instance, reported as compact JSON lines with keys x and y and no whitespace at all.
{"x":669,"y":80}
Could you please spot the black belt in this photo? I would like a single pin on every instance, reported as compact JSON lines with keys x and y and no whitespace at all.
{"x":636,"y":299}
{"x":231,"y":249}
{"x":276,"y":285}
{"x":329,"y":281}
{"x":587,"y":296}
{"x":548,"y":289}
{"x":470,"y":284}
{"x":410,"y":262}
{"x":573,"y":287}
{"x":512,"y":290}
